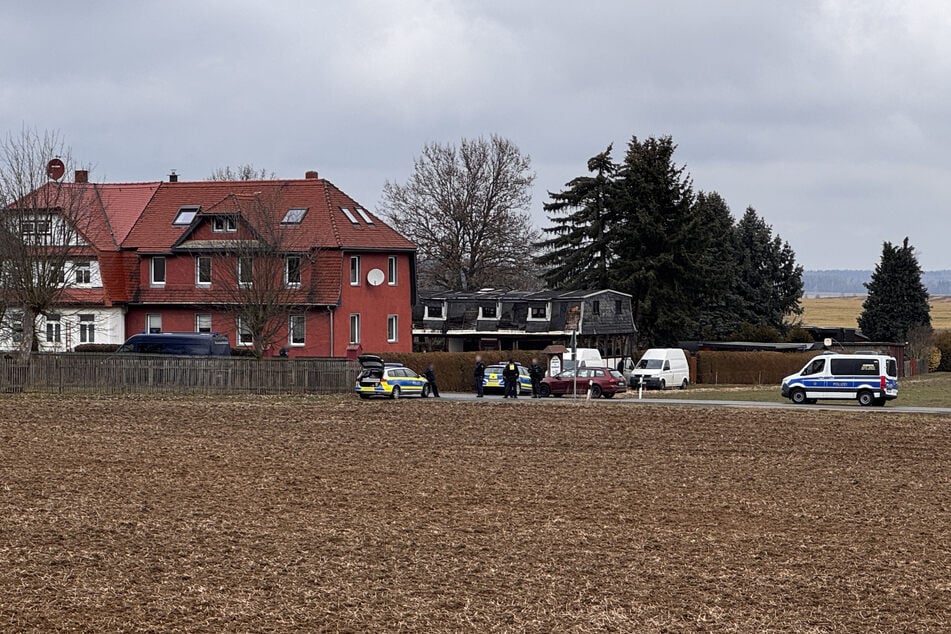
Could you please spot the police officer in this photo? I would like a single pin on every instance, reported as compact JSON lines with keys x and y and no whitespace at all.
{"x":536,"y":373}
{"x":510,"y":376}
{"x":478,"y":376}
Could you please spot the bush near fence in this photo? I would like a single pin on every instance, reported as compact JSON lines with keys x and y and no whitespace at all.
{"x":714,"y":367}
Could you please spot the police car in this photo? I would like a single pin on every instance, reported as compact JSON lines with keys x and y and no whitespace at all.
{"x":870,"y":379}
{"x":494,"y":382}
{"x":388,"y":380}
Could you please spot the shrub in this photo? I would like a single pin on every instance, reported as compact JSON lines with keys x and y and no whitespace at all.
{"x":942,"y":341}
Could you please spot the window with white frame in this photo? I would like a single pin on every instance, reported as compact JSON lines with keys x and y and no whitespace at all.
{"x":87,"y":329}
{"x":82,"y":273}
{"x":354,"y":270}
{"x":224,"y":224}
{"x":292,"y":270}
{"x":185,"y":215}
{"x":54,"y":332}
{"x":203,"y":270}
{"x":153,"y":322}
{"x":392,"y":266}
{"x":433,"y":311}
{"x":294,"y":216}
{"x":202,"y":322}
{"x":245,"y":270}
{"x":158,"y":270}
{"x":295,"y":330}
{"x":538,"y":312}
{"x":392,"y":329}
{"x":355,"y":328}
{"x":245,"y":336}
{"x":16,"y":326}
{"x":489,"y":311}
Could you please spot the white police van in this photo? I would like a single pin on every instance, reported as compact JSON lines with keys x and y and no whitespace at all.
{"x":871,"y":379}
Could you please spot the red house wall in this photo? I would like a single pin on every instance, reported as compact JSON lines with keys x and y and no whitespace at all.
{"x":374,"y":304}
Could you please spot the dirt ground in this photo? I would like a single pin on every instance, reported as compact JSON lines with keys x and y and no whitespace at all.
{"x":333,"y":514}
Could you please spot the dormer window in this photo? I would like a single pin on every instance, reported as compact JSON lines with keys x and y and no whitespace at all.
{"x":489,"y":312}
{"x":538,"y":312}
{"x":185,"y":215}
{"x":224,"y":224}
{"x":294,"y":216}
{"x":433,"y":311}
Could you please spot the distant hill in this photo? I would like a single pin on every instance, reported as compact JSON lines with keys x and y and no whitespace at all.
{"x":851,"y":282}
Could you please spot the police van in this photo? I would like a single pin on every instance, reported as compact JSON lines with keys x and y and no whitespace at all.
{"x":870,"y":379}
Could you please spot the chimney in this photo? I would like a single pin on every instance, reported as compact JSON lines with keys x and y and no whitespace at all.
{"x":173,"y":177}
{"x":81,"y":176}
{"x":311,"y":175}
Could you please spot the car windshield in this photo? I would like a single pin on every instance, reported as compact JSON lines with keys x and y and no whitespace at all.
{"x":650,"y":364}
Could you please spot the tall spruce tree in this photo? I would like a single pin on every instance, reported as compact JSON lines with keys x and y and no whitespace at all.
{"x":897,"y":300}
{"x":716,"y":258}
{"x":768,"y":282}
{"x":578,"y":254}
{"x":655,"y":258}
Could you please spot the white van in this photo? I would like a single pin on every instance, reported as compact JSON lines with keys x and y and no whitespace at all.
{"x":586,"y":357}
{"x":871,"y":379}
{"x":661,"y":368}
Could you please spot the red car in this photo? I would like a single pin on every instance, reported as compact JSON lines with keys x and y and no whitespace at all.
{"x":604,"y":382}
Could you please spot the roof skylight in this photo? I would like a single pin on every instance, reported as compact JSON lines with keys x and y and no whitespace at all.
{"x":294,"y":216}
{"x":185,"y":215}
{"x":364,"y":215}
{"x":349,"y":215}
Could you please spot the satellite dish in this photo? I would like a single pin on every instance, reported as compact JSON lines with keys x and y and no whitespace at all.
{"x":375,"y":277}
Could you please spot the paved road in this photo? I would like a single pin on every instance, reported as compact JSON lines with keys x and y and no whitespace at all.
{"x":633,"y":402}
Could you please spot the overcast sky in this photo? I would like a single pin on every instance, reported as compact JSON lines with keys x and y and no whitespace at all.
{"x":830,"y":118}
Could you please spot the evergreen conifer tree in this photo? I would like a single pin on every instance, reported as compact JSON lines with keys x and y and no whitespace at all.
{"x":897,"y":299}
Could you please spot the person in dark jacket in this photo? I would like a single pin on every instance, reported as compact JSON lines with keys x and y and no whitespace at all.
{"x":536,"y":373}
{"x":510,"y":376}
{"x":478,"y":376}
{"x":430,"y":375}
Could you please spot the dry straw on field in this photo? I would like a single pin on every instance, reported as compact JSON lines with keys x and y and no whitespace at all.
{"x":843,"y":312}
{"x":334,"y":514}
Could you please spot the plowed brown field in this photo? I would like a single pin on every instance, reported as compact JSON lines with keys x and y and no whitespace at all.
{"x":333,"y":514}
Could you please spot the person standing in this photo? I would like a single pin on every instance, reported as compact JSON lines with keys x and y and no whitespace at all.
{"x":430,"y":375}
{"x":510,"y":376}
{"x":478,"y":376}
{"x":536,"y":373}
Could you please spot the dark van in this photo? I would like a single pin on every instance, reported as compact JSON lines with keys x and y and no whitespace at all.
{"x":182,"y":343}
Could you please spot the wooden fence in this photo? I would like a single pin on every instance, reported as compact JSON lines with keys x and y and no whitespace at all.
{"x":116,"y":374}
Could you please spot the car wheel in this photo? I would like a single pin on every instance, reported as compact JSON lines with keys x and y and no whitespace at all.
{"x":426,"y":391}
{"x":683,"y":386}
{"x":866,"y":398}
{"x":663,"y":384}
{"x":595,"y":391}
{"x":395,"y":394}
{"x":545,"y":390}
{"x":798,"y":397}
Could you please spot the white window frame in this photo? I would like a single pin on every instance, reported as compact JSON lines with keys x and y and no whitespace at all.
{"x":199,"y":318}
{"x":153,"y":322}
{"x":392,"y":270}
{"x":442,"y":312}
{"x":242,"y":333}
{"x":392,"y":328}
{"x":354,"y":270}
{"x":87,"y":328}
{"x":224,"y":224}
{"x":354,"y":328}
{"x":297,"y":335}
{"x":483,"y":317}
{"x":287,"y":271}
{"x":152,"y":279}
{"x":547,"y":316}
{"x":82,"y":273}
{"x":54,"y":328}
{"x":245,"y":281}
{"x":198,"y":281}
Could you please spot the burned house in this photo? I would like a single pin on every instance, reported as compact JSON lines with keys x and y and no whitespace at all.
{"x":489,"y":319}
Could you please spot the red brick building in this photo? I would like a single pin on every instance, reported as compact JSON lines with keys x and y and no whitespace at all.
{"x":329,"y":276}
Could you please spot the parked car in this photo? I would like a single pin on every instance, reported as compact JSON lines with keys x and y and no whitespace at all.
{"x":660,"y":368}
{"x":181,"y":343}
{"x":492,"y":382}
{"x":870,"y":379}
{"x":389,"y":380}
{"x":604,"y":382}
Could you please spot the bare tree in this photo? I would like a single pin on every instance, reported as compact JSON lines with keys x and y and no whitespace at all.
{"x":260,"y":274}
{"x":466,"y":209}
{"x":245,"y":172}
{"x":44,"y":227}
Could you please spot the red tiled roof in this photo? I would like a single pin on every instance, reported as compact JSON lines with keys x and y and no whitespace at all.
{"x":324,"y":226}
